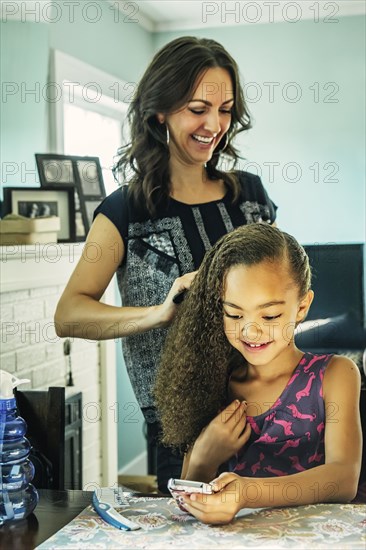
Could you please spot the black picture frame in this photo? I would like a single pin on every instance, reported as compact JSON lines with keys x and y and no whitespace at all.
{"x":55,"y":170}
{"x":55,"y":200}
{"x":81,"y":173}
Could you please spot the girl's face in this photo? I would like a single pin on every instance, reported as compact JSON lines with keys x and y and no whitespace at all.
{"x":197,"y":128}
{"x":261,"y":307}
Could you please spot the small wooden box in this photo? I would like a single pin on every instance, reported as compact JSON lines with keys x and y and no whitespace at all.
{"x":16,"y":229}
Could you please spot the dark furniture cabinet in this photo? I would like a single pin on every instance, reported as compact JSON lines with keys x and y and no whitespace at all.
{"x":54,"y":429}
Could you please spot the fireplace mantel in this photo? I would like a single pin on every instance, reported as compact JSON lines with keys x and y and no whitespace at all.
{"x":37,"y":265}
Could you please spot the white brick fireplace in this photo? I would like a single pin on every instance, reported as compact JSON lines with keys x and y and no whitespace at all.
{"x":32,"y":279}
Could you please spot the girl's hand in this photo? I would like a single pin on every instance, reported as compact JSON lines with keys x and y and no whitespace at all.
{"x":220,"y":507}
{"x":224,"y":436}
{"x":222,"y":481}
{"x":168,"y":308}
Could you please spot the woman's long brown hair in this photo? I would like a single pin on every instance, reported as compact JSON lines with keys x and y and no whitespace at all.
{"x":166,"y":86}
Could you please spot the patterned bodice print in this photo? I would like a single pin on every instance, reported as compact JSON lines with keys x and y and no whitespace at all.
{"x":289,"y":437}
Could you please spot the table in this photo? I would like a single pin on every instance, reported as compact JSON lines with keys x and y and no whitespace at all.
{"x":54,"y":510}
{"x":315,"y":526}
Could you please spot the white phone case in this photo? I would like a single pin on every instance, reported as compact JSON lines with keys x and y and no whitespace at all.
{"x":179,"y":486}
{"x":187,"y":486}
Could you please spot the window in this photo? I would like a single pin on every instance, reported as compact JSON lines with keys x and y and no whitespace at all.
{"x":88,"y":121}
{"x":92,"y":134}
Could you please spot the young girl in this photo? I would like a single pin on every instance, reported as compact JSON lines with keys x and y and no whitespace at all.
{"x":236,"y":393}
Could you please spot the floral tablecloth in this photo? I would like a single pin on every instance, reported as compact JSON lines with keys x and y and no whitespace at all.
{"x":163,"y":526}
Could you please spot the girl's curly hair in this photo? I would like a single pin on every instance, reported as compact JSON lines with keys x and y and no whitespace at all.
{"x":166,"y":86}
{"x":197,"y":359}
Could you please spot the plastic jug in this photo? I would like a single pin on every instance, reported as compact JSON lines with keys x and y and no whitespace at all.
{"x":18,"y":497}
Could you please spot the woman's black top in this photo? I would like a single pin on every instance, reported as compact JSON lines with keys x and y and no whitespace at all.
{"x":159,"y":250}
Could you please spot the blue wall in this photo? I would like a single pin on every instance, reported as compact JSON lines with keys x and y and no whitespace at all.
{"x":25,"y":51}
{"x":23,"y":122}
{"x":318,"y":140}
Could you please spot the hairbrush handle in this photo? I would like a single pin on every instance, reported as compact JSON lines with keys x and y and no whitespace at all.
{"x":179,"y":297}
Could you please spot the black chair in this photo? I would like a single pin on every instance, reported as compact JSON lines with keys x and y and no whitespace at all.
{"x":44,"y":413}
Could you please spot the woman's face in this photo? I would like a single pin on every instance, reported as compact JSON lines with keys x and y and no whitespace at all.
{"x":197,"y":128}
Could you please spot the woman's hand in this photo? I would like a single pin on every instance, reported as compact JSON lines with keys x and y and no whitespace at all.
{"x":168,"y":308}
{"x":222,"y":438}
{"x":220,"y":507}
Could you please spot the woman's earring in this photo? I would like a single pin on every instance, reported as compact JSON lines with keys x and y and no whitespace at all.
{"x":167,"y":135}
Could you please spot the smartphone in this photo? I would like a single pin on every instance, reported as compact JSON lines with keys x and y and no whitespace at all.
{"x":179,"y":486}
{"x":186,"y":486}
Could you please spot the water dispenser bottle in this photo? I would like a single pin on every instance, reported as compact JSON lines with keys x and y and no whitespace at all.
{"x":18,"y":497}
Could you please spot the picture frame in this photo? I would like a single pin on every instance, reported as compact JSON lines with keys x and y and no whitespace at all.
{"x":81,"y":173}
{"x":55,"y":170}
{"x":43,"y":201}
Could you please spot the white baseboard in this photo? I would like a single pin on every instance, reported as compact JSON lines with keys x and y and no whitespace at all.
{"x":137,"y":466}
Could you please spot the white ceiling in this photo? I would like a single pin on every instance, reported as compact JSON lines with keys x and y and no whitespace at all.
{"x":171,"y":15}
{"x":176,"y":15}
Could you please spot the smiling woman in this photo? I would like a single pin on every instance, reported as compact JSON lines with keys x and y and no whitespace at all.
{"x":186,"y":71}
{"x":175,"y":202}
{"x":197,"y":129}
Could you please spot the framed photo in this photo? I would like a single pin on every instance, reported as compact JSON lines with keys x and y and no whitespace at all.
{"x":84,"y":175}
{"x":55,"y":170}
{"x":33,"y":202}
{"x":89,"y":174}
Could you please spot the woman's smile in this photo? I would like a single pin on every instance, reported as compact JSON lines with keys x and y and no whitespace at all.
{"x":204,"y":140}
{"x":204,"y":143}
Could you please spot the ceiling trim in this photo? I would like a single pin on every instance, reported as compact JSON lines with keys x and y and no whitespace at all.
{"x":205,"y":14}
{"x":234,"y":13}
{"x":36,"y":11}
